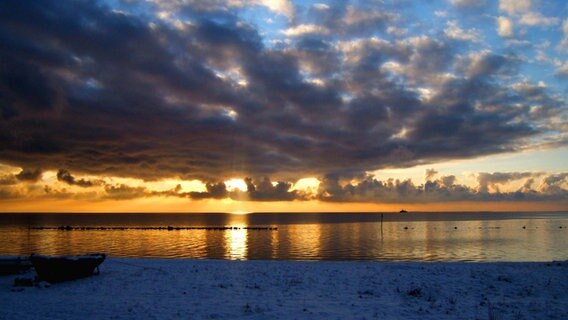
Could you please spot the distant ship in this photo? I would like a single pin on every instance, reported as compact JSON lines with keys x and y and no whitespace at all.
{"x":403,"y":211}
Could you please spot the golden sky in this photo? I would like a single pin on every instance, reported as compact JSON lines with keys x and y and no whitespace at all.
{"x":62,"y":192}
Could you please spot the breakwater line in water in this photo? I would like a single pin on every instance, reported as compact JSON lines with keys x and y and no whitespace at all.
{"x":165,"y":228}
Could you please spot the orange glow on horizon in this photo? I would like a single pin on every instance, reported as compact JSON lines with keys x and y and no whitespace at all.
{"x":183,"y":205}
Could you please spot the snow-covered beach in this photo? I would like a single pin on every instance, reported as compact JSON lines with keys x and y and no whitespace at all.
{"x":215,"y":289}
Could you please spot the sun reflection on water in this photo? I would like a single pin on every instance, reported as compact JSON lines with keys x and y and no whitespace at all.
{"x":237,"y":245}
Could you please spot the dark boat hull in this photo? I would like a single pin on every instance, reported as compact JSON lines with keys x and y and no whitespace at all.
{"x":57,"y":269}
{"x":14,"y":265}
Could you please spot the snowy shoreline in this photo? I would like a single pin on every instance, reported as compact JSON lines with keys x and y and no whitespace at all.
{"x":134,"y":288}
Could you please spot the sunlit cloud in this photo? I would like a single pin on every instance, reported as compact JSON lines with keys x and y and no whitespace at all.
{"x":454,"y":31}
{"x":305,"y":29}
{"x":504,"y":26}
{"x":537,"y":19}
{"x":515,"y":6}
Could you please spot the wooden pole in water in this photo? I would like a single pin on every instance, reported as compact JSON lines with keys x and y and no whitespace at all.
{"x":29,"y":235}
{"x":382,"y":224}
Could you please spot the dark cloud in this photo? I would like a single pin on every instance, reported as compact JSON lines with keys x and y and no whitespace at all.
{"x":430,"y":173}
{"x":467,"y":4}
{"x":214,"y":191}
{"x":124,"y":192}
{"x":122,"y":93}
{"x":317,"y":56}
{"x":484,"y":65}
{"x":24,"y":175}
{"x":65,"y":176}
{"x":346,"y":20}
{"x":29,"y":175}
{"x":556,"y":184}
{"x":429,"y":57}
{"x":264,"y":190}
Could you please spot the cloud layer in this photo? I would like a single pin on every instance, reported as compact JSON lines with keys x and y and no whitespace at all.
{"x":195,"y":91}
{"x":490,"y":187}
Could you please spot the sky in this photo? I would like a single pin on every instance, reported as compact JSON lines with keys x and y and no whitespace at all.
{"x":279,"y":105}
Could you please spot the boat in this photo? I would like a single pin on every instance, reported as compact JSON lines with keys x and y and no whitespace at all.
{"x":64,"y":268}
{"x":14,"y":265}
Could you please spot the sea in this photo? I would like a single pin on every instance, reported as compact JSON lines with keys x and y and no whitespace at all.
{"x":347,"y":236}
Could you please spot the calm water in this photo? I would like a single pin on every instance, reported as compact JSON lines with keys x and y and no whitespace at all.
{"x":299,"y":236}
